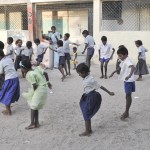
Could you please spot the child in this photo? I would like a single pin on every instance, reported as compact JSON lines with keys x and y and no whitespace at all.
{"x":141,"y":67}
{"x":61,"y":53}
{"x":91,"y":100}
{"x":89,"y":45}
{"x":74,"y":60}
{"x":37,"y":95}
{"x":41,"y":50}
{"x":10,"y":91}
{"x":104,"y":55}
{"x":66,"y":43}
{"x":127,"y":75}
{"x":27,"y":53}
{"x":18,"y":50}
{"x":10,"y":49}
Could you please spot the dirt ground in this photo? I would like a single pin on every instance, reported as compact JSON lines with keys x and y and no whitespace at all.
{"x":61,"y":119}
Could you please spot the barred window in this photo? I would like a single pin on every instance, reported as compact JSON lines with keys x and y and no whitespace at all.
{"x":111,"y":10}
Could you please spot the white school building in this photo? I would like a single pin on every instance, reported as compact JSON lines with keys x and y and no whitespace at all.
{"x":122,"y":21}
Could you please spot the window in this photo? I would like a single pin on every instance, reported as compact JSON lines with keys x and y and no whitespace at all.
{"x":111,"y":10}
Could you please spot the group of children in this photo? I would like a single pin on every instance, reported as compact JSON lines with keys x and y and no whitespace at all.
{"x":91,"y":99}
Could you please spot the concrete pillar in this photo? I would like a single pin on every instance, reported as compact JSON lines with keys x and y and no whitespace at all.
{"x":97,"y":15}
{"x":31,"y":21}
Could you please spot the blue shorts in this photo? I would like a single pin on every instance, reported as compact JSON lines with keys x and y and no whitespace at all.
{"x":39,"y":58}
{"x":67,"y":56}
{"x":129,"y":87}
{"x":104,"y":60}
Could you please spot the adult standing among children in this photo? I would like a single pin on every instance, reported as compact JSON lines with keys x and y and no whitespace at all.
{"x":54,"y":37}
{"x":89,"y":45}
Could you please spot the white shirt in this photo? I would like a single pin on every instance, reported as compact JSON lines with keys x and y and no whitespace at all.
{"x":18,"y":50}
{"x":142,"y":50}
{"x":90,"y":41}
{"x":125,"y":70}
{"x":10,"y":49}
{"x":27,"y":52}
{"x":66,"y":45}
{"x":41,"y":48}
{"x":105,"y":51}
{"x":53,"y":37}
{"x":7,"y":68}
{"x":90,"y":84}
{"x":61,"y":51}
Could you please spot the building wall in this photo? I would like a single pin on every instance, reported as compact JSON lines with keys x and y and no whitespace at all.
{"x":117,"y":38}
{"x":3,"y":2}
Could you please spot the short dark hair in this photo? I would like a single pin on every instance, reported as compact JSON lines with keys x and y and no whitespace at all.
{"x":123,"y":51}
{"x":120,"y":46}
{"x":29,"y":44}
{"x":139,"y":42}
{"x":36,"y":40}
{"x":10,"y":39}
{"x":74,"y":48}
{"x":1,"y":45}
{"x":67,"y":35}
{"x":18,"y":41}
{"x":60,"y":42}
{"x":82,"y":68}
{"x":2,"y":53}
{"x":26,"y":64}
{"x":85,"y":32}
{"x":53,"y":27}
{"x":104,"y":38}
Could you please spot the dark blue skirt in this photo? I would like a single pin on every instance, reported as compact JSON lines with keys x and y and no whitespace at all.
{"x":62,"y":61}
{"x":90,"y":104}
{"x":10,"y":91}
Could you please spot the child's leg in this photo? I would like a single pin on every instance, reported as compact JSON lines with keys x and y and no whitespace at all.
{"x":37,"y":119}
{"x":106,"y":63}
{"x":88,"y":130}
{"x":7,"y":111}
{"x":128,"y":105}
{"x":68,"y":63}
{"x":62,"y":72}
{"x":102,"y":64}
{"x":23,"y":75}
{"x":65,"y":67}
{"x":32,"y":125}
{"x":74,"y":66}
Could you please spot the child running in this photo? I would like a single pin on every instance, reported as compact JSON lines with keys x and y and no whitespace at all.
{"x":26,"y":53}
{"x":10,"y":49}
{"x":141,"y":67}
{"x":18,"y":50}
{"x":41,"y":50}
{"x":91,"y":100}
{"x":10,"y":91}
{"x":127,"y":75}
{"x":74,"y":60}
{"x":61,"y":52}
{"x":104,"y":55}
{"x":37,"y":95}
{"x":66,"y":43}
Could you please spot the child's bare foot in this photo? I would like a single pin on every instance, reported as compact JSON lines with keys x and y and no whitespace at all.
{"x":124,"y":116}
{"x":101,"y":77}
{"x":31,"y":126}
{"x":63,"y":78}
{"x":105,"y":77}
{"x":69,"y":74}
{"x":37,"y":125}
{"x":6,"y":112}
{"x":139,"y":79}
{"x":86,"y":133}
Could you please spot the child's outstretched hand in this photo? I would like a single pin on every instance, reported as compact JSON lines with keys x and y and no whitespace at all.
{"x":111,"y":75}
{"x":111,"y":93}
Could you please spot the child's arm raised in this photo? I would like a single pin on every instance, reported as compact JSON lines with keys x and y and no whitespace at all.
{"x":52,"y":49}
{"x":107,"y":91}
